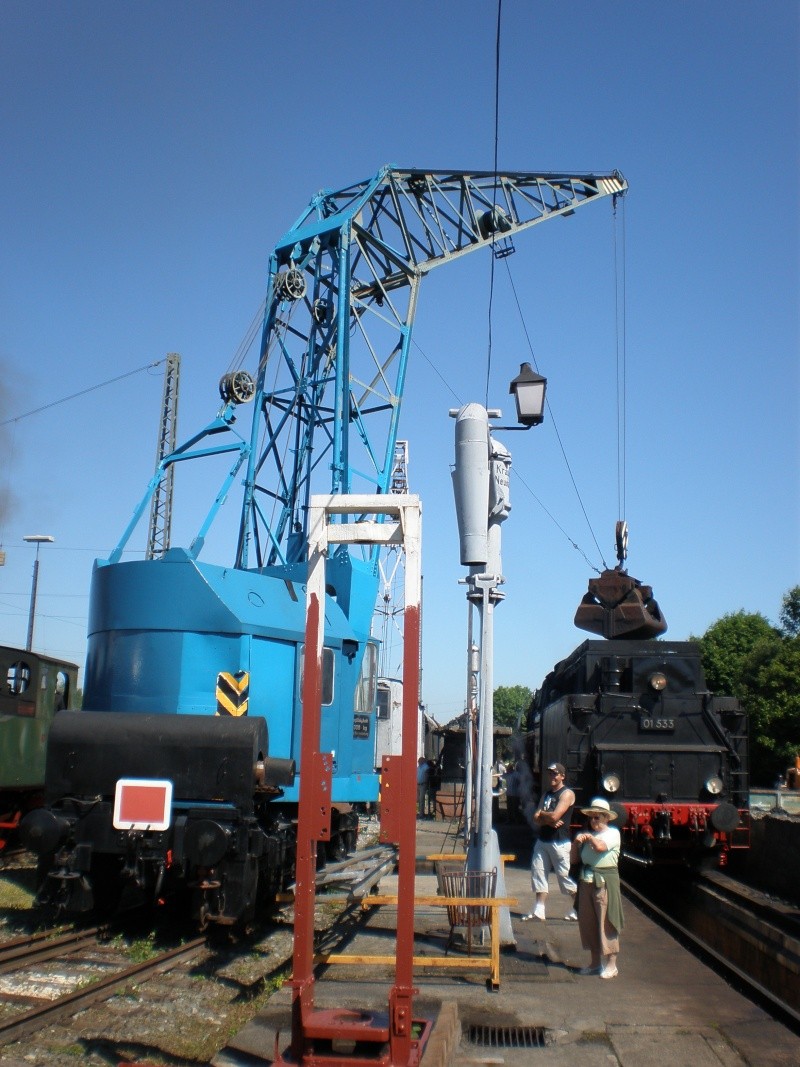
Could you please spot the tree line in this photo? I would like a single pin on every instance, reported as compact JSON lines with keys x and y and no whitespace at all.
{"x":746,"y":656}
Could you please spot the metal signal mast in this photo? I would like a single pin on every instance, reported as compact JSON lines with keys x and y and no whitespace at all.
{"x":161,"y":504}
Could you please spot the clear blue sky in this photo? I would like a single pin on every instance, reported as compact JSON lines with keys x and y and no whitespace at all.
{"x":153,"y":153}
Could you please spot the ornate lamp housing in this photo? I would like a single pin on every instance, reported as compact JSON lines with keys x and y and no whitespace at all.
{"x":529,"y":390}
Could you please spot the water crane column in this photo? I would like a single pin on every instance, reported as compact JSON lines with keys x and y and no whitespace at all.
{"x":481,"y":486}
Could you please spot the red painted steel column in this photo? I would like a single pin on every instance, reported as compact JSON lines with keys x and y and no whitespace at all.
{"x":401,"y":999}
{"x":306,"y":859}
{"x":402,"y":994}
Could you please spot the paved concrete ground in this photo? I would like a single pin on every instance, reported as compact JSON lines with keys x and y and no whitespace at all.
{"x":664,"y":1007}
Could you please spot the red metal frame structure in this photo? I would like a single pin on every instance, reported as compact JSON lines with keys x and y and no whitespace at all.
{"x":400,"y":524}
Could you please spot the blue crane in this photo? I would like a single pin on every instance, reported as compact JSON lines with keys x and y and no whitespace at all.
{"x":326,"y":399}
{"x":194,"y":668}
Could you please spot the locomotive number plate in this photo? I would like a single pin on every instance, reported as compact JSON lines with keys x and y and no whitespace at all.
{"x":646,"y":723}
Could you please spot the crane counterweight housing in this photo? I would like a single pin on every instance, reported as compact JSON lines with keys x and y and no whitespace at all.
{"x":180,"y":636}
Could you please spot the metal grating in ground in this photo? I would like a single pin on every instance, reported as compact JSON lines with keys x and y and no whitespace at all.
{"x":507,"y":1036}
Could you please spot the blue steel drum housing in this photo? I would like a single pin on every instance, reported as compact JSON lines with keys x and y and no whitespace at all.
{"x":146,"y":652}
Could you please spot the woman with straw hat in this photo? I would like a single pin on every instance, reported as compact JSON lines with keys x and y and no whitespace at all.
{"x":599,"y":897}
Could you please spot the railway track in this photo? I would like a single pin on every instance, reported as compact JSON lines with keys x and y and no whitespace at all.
{"x":42,"y":946}
{"x":753,"y":939}
{"x":86,"y":996}
{"x":95,"y":967}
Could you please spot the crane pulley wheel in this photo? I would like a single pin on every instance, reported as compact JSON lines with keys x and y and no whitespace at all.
{"x":494,"y":220}
{"x":237,"y":388}
{"x":290,"y":284}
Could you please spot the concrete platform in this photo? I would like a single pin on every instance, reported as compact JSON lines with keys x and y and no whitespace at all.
{"x":664,"y":1007}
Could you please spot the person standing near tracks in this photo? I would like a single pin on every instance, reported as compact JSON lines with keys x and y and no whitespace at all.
{"x":552,"y":849}
{"x":599,"y":898}
{"x":423,"y":774}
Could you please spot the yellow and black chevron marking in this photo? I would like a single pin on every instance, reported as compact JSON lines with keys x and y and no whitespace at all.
{"x":233,"y":693}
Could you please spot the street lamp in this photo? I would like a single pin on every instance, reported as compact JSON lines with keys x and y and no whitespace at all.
{"x":529,"y":392}
{"x":36,"y":539}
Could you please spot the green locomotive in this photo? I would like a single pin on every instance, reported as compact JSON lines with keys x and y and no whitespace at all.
{"x":33,"y":688}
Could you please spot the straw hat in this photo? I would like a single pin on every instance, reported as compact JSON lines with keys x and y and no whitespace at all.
{"x":599,"y":806}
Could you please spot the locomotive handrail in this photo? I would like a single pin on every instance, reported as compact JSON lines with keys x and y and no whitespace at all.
{"x":717,"y":730}
{"x":627,"y":746}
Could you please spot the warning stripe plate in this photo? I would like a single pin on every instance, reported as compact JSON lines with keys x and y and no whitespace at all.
{"x":233,"y":693}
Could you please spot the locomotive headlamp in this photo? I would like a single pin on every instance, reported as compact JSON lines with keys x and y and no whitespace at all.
{"x":658,"y":681}
{"x":714,"y":786}
{"x":611,"y":783}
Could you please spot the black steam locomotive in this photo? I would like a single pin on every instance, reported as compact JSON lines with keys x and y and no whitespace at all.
{"x":632,"y":720}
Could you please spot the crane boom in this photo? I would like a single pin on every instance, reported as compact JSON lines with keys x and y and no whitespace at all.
{"x":341,"y":300}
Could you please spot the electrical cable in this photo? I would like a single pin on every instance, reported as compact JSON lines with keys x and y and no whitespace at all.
{"x":496,"y":142}
{"x":83,"y":392}
{"x":491,"y":300}
{"x":436,"y":370}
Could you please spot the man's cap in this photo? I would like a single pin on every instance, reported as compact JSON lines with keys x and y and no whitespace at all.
{"x":559,"y":768}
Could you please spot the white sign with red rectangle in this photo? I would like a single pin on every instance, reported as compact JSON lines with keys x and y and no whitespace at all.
{"x":142,"y":804}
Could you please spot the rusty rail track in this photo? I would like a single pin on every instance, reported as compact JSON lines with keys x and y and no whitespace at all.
{"x":30,"y":1021}
{"x":46,"y":945}
{"x":350,"y":881}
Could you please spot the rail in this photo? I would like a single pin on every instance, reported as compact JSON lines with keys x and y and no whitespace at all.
{"x":29,"y":1022}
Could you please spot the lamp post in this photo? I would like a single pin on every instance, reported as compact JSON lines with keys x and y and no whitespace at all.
{"x":36,"y":539}
{"x":481,"y":484}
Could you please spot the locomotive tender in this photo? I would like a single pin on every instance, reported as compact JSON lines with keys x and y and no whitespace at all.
{"x":632,"y":720}
{"x":180,"y":774}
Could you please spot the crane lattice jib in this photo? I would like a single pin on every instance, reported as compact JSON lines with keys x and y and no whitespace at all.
{"x":342,"y":293}
{"x":160,"y":527}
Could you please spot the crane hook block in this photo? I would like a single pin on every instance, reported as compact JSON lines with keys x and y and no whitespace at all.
{"x":618,"y":606}
{"x":237,"y":388}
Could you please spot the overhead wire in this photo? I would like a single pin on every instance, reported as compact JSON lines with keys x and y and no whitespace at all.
{"x":83,"y":392}
{"x":522,"y":318}
{"x":494,"y":168}
{"x":54,"y":403}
